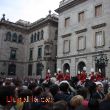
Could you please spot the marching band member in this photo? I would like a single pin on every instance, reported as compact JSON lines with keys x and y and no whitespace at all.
{"x":79,"y":75}
{"x":48,"y":75}
{"x":60,"y":75}
{"x":67,"y":75}
{"x":83,"y":75}
{"x":92,"y":75}
{"x":99,"y":76}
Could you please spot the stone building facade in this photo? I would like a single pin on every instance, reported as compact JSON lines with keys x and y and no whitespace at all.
{"x":83,"y":36}
{"x":28,"y":48}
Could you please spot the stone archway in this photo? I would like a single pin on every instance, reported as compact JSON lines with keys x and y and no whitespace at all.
{"x":80,"y":66}
{"x":65,"y":67}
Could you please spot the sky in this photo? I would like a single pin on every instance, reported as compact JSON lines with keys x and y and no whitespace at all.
{"x":28,"y":10}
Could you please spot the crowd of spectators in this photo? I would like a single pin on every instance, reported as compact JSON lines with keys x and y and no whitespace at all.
{"x":40,"y":94}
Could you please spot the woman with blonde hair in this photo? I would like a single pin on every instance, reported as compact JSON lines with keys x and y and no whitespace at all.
{"x":76,"y":101}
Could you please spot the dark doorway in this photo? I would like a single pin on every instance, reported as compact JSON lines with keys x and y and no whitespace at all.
{"x":65,"y":67}
{"x":11,"y":69}
{"x":80,"y":66}
{"x":30,"y":70}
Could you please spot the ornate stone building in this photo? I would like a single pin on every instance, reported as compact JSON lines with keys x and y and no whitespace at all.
{"x":84,"y":35}
{"x":28,"y":48}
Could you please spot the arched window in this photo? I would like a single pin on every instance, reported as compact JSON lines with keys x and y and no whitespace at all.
{"x":66,"y":66}
{"x":8,"y":36}
{"x":20,"y":39}
{"x":81,"y":65}
{"x":31,"y":39}
{"x":42,"y":34}
{"x":14,"y":37}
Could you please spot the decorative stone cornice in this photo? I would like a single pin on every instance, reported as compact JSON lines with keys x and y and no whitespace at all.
{"x":69,"y":5}
{"x":50,"y":19}
{"x":98,"y":26}
{"x":66,"y":35}
{"x":13,"y":26}
{"x":44,"y":21}
{"x":81,"y":31}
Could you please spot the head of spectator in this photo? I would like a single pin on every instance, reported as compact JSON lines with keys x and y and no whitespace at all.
{"x":64,"y":86}
{"x":83,"y":92}
{"x":60,"y":105}
{"x":76,"y":101}
{"x":32,"y":86}
{"x":54,"y":89}
{"x":38,"y":91}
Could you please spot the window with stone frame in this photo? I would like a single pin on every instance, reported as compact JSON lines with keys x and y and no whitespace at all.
{"x":99,"y":38}
{"x":81,"y":16}
{"x":66,"y":46}
{"x":14,"y":37}
{"x":20,"y":39}
{"x":81,"y":42}
{"x":56,"y":35}
{"x":40,"y":52}
{"x":35,"y":37}
{"x":38,"y":36}
{"x":13,"y":54}
{"x":98,"y":10}
{"x":47,"y":50}
{"x":67,"y":22}
{"x":8,"y":36}
{"x":42,"y":34}
{"x":32,"y":39}
{"x":31,"y":54}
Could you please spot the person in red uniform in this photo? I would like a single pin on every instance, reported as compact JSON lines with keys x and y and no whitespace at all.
{"x":99,"y":76}
{"x":79,"y":75}
{"x":83,"y":75}
{"x":48,"y":75}
{"x":60,"y":75}
{"x":67,"y":75}
{"x":92,"y":75}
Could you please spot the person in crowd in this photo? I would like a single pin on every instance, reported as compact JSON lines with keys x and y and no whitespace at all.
{"x":7,"y":94}
{"x":60,"y":105}
{"x":105,"y":104}
{"x":83,"y":92}
{"x":99,"y":94}
{"x":76,"y":101}
{"x":93,"y":104}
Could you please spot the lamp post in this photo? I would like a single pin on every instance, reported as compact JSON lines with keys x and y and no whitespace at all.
{"x":101,"y":62}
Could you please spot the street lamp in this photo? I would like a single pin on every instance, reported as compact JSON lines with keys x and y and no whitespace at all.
{"x":101,"y":59}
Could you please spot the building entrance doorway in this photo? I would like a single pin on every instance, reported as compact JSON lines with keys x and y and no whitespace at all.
{"x":81,"y":65}
{"x":66,"y":66}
